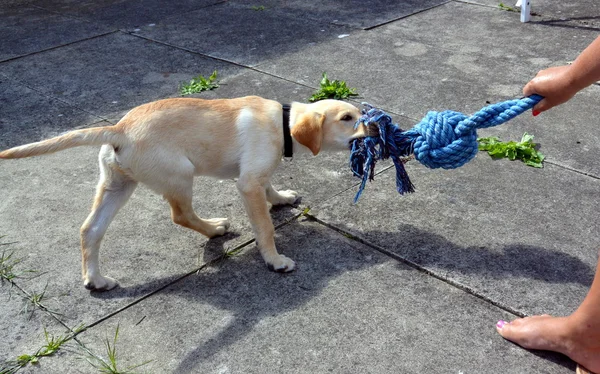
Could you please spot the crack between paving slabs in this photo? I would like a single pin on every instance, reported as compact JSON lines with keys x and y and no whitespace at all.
{"x":423,"y":269}
{"x":24,"y":84}
{"x":71,"y":336}
{"x":74,"y":332}
{"x":420,"y":268}
{"x":220,"y":59}
{"x":59,"y":46}
{"x":369,"y":28}
{"x":228,"y":253}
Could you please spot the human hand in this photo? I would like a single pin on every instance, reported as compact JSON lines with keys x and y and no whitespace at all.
{"x":556,"y":84}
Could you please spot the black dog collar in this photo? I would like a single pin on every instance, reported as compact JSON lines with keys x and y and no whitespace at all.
{"x":288,"y":150}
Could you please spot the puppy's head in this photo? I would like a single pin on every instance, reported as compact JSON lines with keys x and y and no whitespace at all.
{"x":327,"y":125}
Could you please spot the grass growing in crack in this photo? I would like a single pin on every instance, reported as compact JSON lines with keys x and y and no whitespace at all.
{"x":199,"y":84}
{"x":332,"y":89}
{"x":258,"y":8}
{"x":33,"y":301}
{"x":8,"y":263}
{"x":233,"y":252}
{"x":52,"y":346}
{"x":109,"y":366}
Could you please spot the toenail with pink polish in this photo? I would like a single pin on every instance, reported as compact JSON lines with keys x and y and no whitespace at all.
{"x":500,"y":324}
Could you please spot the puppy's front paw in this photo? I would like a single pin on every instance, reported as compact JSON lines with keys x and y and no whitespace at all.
{"x":99,"y":283}
{"x":287,"y":197}
{"x":281,"y":264}
{"x":218,"y":226}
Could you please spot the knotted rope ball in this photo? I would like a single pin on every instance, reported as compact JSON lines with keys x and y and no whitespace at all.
{"x":445,"y":139}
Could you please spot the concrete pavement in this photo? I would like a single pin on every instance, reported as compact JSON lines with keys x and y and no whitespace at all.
{"x":393,"y":284}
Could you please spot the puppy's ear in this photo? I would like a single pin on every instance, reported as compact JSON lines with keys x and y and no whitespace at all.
{"x":308,"y":131}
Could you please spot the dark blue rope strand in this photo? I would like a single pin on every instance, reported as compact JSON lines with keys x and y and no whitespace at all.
{"x":445,"y":140}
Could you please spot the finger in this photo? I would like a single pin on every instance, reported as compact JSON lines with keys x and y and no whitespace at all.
{"x":540,"y":107}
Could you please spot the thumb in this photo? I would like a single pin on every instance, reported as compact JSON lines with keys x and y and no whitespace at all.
{"x":529,"y":90}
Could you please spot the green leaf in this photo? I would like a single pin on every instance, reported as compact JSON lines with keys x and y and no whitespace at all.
{"x":527,"y":138}
{"x":525,"y":150}
{"x":332,"y":89}
{"x":199,"y":84}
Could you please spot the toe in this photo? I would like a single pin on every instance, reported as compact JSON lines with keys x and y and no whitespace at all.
{"x":538,"y":332}
{"x":282,"y":264}
{"x":100,"y":284}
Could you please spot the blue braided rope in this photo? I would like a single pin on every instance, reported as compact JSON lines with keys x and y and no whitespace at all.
{"x":445,"y":140}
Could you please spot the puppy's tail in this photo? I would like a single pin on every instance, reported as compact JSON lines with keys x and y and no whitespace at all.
{"x":91,"y":136}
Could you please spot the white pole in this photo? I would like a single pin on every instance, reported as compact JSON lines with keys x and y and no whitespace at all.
{"x":525,"y":11}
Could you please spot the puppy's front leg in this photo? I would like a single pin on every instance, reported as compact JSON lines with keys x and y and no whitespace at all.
{"x":254,"y":195}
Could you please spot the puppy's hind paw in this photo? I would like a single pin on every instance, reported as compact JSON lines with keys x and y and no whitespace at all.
{"x":287,"y":197}
{"x":281,"y":264}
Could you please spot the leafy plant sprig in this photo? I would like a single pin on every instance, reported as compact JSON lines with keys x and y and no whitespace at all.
{"x":332,"y":89}
{"x":525,"y":150}
{"x":507,"y":8}
{"x":199,"y":84}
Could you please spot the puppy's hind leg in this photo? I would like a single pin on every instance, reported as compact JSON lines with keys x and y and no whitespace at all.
{"x":287,"y":197}
{"x":113,"y":191}
{"x":182,"y":212}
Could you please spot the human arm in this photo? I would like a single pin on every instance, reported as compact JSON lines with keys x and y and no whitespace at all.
{"x":559,"y":84}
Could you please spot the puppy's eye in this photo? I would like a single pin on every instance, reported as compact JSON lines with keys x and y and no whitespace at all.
{"x":347,"y":117}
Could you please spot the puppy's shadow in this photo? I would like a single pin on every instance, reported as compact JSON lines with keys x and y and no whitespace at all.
{"x":250,"y":293}
{"x":243,"y":287}
{"x":431,"y":250}
{"x":209,"y":251}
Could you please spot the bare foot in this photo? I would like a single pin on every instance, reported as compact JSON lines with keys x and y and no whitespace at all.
{"x":572,"y":336}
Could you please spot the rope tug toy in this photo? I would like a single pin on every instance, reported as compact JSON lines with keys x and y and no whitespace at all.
{"x":445,"y":139}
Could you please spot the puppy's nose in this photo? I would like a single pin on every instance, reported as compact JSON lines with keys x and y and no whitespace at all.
{"x":372,"y":129}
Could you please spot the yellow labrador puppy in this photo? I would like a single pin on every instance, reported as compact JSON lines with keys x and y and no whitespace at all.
{"x":164,"y":144}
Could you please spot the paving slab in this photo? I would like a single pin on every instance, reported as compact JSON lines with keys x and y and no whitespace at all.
{"x":346,"y":309}
{"x":451,"y":75}
{"x":109,"y":75}
{"x":258,"y":35}
{"x":27,"y":30}
{"x":455,"y":75}
{"x":14,"y":3}
{"x":520,"y":236}
{"x":502,"y":233}
{"x":28,"y":116}
{"x":560,"y":14}
{"x":126,"y":15}
{"x":353,"y":13}
{"x":492,"y":33}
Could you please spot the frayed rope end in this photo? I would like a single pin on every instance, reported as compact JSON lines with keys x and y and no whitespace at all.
{"x":385,"y":140}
